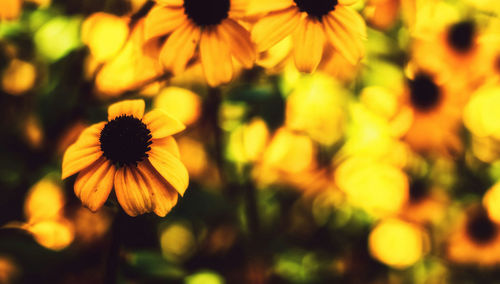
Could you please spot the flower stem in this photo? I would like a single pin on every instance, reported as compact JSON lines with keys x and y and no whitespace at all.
{"x":112,"y":262}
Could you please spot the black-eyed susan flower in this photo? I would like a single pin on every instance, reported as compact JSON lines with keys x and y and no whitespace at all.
{"x":476,"y":240}
{"x":208,"y":26}
{"x":313,"y":24}
{"x":133,"y":152}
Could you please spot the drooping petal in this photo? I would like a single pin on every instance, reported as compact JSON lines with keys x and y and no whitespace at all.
{"x":171,"y":3}
{"x":163,"y":20}
{"x":169,"y":144}
{"x":164,"y":195}
{"x":274,"y":27}
{"x":240,"y":44}
{"x":93,"y":184}
{"x":215,"y":57}
{"x":85,"y":151}
{"x":341,"y":40}
{"x":180,"y":47}
{"x":134,"y":108}
{"x":309,"y":40}
{"x":264,"y":6}
{"x":170,"y":168}
{"x":133,"y":192}
{"x":161,"y":124}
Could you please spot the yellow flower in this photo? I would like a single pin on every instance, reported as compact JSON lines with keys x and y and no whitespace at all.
{"x":313,"y":24}
{"x":209,"y":26}
{"x":134,"y":152}
{"x":476,"y":240}
{"x":10,"y":9}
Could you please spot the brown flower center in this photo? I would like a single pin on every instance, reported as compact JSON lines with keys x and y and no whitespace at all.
{"x":125,"y":140}
{"x":207,"y":12}
{"x":316,"y":8}
{"x":461,"y":36}
{"x":480,"y":228}
{"x":424,"y":93}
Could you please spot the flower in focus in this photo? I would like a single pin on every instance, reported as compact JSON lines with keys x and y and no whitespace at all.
{"x":210,"y":26}
{"x":313,"y":24}
{"x":133,"y":152}
{"x":476,"y":240}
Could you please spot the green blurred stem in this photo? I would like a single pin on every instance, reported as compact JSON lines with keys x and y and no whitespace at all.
{"x":214,"y":102}
{"x":113,"y":260}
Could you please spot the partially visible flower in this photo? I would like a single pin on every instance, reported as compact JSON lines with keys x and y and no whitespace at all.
{"x":19,"y":77}
{"x":132,"y":152}
{"x":10,"y":9}
{"x":208,"y":26}
{"x":476,"y":240}
{"x":313,"y":24}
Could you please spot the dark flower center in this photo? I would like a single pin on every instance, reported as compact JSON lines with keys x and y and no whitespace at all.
{"x":316,"y":8}
{"x":424,"y":93}
{"x":418,"y":190}
{"x":206,"y":12}
{"x":125,"y":140}
{"x":461,"y":36}
{"x":480,"y":228}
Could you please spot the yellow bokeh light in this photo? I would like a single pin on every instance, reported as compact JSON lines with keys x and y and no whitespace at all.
{"x":205,"y":277}
{"x":44,"y":201}
{"x":19,"y":77}
{"x":90,"y":226}
{"x":177,"y":241}
{"x":491,"y":202}
{"x":481,"y":115}
{"x":10,"y":9}
{"x":248,"y":141}
{"x":193,"y":156}
{"x":397,"y":243}
{"x":180,"y":103}
{"x":377,"y":187}
{"x":104,"y":34}
{"x":52,"y":234}
{"x":8,"y":270}
{"x":316,"y":107}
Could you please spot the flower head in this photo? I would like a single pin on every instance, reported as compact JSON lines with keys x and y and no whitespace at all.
{"x":313,"y":24}
{"x":210,"y":26}
{"x":133,"y":152}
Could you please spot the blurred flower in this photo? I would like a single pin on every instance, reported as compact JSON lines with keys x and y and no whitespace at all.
{"x":8,"y":270}
{"x":426,"y":203}
{"x":436,"y":103}
{"x":44,"y":201}
{"x":180,"y":103}
{"x":133,"y":67}
{"x":480,"y":114}
{"x":397,"y":243}
{"x":248,"y":141}
{"x":57,"y":37}
{"x":19,"y":77}
{"x":317,"y":108}
{"x":382,"y":14}
{"x":312,"y":24}
{"x":337,"y":66}
{"x":10,"y":9}
{"x":133,"y":151}
{"x":209,"y":26}
{"x":52,"y":234}
{"x":177,"y":241}
{"x":476,"y":240}
{"x":491,"y":201}
{"x":377,"y":187}
{"x":104,"y":34}
{"x":89,"y":226}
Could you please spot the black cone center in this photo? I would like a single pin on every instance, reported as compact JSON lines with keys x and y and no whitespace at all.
{"x":424,"y":93}
{"x":125,"y":140}
{"x":480,"y":228}
{"x":461,"y":36}
{"x":316,"y":8}
{"x":206,"y":12}
{"x":418,"y":190}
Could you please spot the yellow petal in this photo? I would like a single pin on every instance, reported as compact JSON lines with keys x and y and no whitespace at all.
{"x":94,"y":184}
{"x":266,"y":6}
{"x":238,"y":39}
{"x":274,"y":27}
{"x":161,"y":124}
{"x":340,"y":39}
{"x":169,"y":144}
{"x":170,"y":168}
{"x":346,"y":2}
{"x":133,"y":192}
{"x":163,"y":20}
{"x":172,"y":3}
{"x":215,"y":57}
{"x":309,"y":40}
{"x":179,"y":47}
{"x":164,"y":195}
{"x":351,"y":20}
{"x":134,"y":108}
{"x":85,"y":151}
